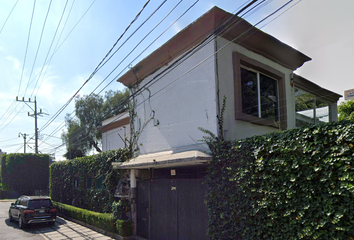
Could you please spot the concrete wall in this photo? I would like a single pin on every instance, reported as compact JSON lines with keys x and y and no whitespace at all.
{"x":180,"y":102}
{"x":111,"y":139}
{"x":235,"y":129}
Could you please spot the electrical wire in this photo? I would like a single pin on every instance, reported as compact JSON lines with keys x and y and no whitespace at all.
{"x":39,"y":44}
{"x":8,"y":16}
{"x":138,"y":45}
{"x":28,"y":39}
{"x":75,"y":94}
{"x":51,"y":44}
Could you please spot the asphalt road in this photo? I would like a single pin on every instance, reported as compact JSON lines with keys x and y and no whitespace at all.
{"x":63,"y":229}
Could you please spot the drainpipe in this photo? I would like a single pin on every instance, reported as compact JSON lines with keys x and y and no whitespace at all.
{"x":133,"y":199}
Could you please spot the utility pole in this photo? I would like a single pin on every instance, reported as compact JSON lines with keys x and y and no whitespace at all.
{"x":35,"y":114}
{"x":24,"y":141}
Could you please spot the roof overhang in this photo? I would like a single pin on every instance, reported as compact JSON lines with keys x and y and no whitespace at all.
{"x":165,"y":159}
{"x":241,"y":32}
{"x":114,"y":122}
{"x":308,"y":86}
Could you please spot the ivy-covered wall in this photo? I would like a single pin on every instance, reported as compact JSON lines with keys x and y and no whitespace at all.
{"x":88,"y":182}
{"x":24,"y":174}
{"x":298,"y":184}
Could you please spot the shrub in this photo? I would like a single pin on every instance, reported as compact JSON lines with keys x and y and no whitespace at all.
{"x":297,"y":184}
{"x":23,"y":174}
{"x":124,"y":227}
{"x":88,"y":173}
{"x":103,"y":221}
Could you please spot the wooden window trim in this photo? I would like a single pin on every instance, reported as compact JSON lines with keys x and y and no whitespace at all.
{"x":241,"y":60}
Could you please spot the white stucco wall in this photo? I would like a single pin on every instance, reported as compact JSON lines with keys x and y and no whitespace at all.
{"x":182,"y":100}
{"x":235,"y":129}
{"x":111,"y":139}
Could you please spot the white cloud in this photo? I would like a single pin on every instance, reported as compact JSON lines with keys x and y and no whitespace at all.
{"x":16,"y":63}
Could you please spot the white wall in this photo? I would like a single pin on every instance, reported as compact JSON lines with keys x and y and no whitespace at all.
{"x":183,"y":100}
{"x":240,"y":129}
{"x":111,"y":139}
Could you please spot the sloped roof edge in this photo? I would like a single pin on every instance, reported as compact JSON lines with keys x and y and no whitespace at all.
{"x":254,"y":40}
{"x":315,"y":89}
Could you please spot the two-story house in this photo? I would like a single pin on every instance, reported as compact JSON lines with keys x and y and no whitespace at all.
{"x":180,"y":88}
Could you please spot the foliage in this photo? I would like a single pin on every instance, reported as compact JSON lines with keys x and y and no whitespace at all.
{"x":346,"y":110}
{"x":23,"y":174}
{"x":82,"y":134}
{"x":71,"y":138}
{"x":87,"y":171}
{"x":298,"y":184}
{"x":103,"y":221}
{"x":124,"y":227}
{"x":120,"y":208}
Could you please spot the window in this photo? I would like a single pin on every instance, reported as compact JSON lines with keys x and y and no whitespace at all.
{"x":99,"y":182}
{"x":76,"y":182}
{"x":89,"y":182}
{"x":309,"y":109}
{"x":259,"y":93}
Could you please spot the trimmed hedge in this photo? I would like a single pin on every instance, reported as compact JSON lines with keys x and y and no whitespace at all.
{"x":98,"y":168}
{"x":23,"y":174}
{"x":298,"y":184}
{"x":124,"y":227}
{"x":103,"y":221}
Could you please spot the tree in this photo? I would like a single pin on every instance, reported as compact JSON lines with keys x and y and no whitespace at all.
{"x":82,"y":134}
{"x":346,"y":110}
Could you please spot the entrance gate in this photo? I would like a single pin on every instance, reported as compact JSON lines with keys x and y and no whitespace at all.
{"x":171,"y":209}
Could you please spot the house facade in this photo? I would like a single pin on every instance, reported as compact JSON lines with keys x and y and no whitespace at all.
{"x":180,"y":88}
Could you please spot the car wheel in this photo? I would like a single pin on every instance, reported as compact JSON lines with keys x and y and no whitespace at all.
{"x":10,"y":217}
{"x":21,"y":224}
{"x":51,"y":223}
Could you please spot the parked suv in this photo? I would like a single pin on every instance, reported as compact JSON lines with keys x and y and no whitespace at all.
{"x":32,"y":209}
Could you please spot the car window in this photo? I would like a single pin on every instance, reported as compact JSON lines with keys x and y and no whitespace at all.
{"x":40,"y":203}
{"x":23,"y":202}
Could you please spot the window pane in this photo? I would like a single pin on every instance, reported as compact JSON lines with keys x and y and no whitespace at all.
{"x":269,"y":97}
{"x":249,"y":92}
{"x":309,"y":109}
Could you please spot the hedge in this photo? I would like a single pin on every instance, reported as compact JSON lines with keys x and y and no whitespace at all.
{"x":90,"y":170}
{"x":24,"y":174}
{"x":297,"y":184}
{"x":103,"y":221}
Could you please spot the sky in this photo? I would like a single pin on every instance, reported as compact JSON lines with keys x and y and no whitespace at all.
{"x":48,"y":50}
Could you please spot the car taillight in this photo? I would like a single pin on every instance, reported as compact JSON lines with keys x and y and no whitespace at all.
{"x":52,"y":210}
{"x":28,"y":211}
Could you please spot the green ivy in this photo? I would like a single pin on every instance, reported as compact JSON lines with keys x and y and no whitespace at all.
{"x":64,"y":173}
{"x":24,"y":174}
{"x":297,"y":184}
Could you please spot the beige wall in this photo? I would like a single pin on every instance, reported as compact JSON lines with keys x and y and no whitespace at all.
{"x":235,"y":129}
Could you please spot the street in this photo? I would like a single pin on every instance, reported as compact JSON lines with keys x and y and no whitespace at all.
{"x":63,"y":229}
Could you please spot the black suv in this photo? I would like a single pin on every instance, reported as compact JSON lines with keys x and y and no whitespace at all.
{"x":32,"y":209}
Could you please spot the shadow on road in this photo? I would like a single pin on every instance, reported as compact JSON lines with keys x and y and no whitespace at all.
{"x":33,"y":228}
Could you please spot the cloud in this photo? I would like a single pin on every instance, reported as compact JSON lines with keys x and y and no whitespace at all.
{"x":176,"y":28}
{"x":16,"y":63}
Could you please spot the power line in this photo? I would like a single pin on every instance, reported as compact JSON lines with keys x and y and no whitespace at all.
{"x":39,"y":44}
{"x":8,"y":17}
{"x":28,"y":38}
{"x":69,"y":101}
{"x":222,"y":47}
{"x":137,"y":46}
{"x":51,"y":44}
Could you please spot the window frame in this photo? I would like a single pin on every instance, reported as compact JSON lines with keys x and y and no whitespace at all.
{"x":240,"y":61}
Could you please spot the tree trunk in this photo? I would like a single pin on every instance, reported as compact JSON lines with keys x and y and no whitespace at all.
{"x":94,"y":144}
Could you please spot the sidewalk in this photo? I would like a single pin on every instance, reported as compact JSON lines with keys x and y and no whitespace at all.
{"x":64,"y":229}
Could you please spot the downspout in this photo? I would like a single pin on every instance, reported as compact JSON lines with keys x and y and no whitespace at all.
{"x":217,"y":88}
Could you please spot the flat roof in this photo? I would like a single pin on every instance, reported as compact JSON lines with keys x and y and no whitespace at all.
{"x":165,"y":159}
